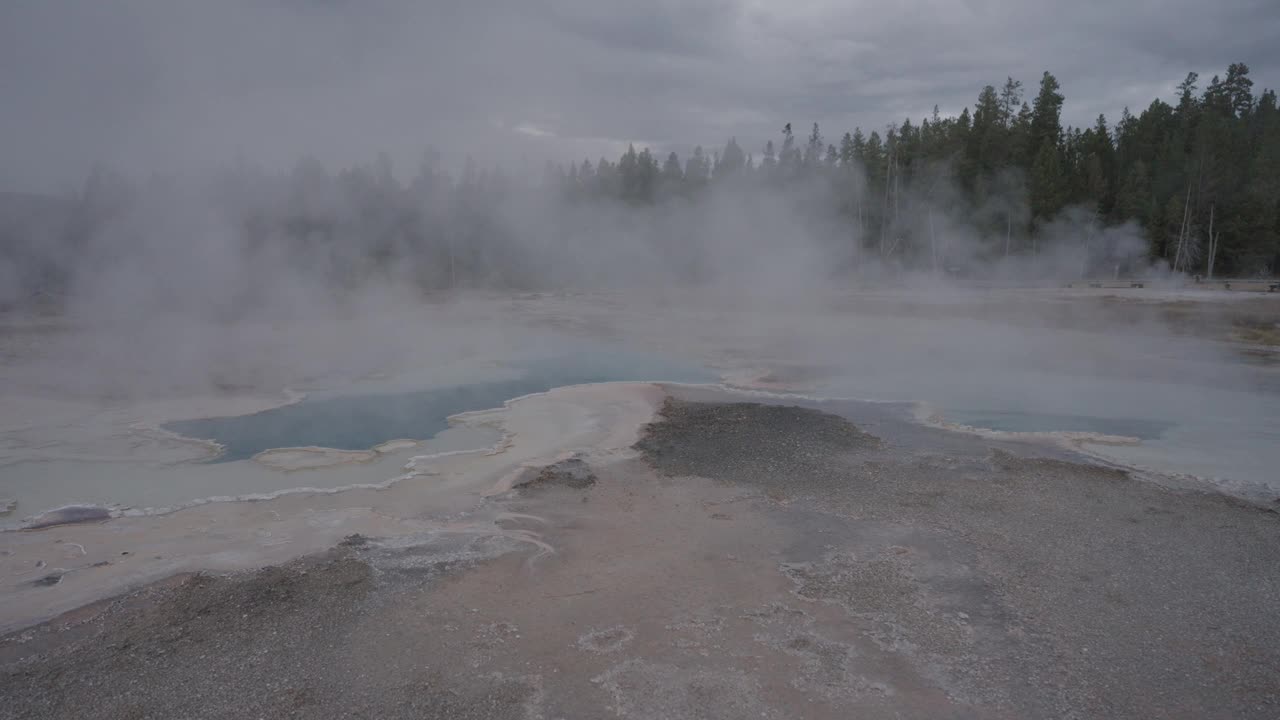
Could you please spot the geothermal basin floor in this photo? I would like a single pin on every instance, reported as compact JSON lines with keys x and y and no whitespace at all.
{"x":740,"y":559}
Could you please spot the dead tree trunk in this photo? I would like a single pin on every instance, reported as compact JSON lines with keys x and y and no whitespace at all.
{"x":933,"y":242}
{"x":1213,"y":244}
{"x":884,"y":216}
{"x":1182,"y":232}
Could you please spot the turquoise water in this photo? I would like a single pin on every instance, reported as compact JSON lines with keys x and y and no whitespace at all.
{"x":360,"y":422}
{"x":1225,"y":430}
{"x":1016,"y":421}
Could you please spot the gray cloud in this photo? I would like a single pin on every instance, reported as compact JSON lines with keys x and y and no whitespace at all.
{"x":151,"y":85}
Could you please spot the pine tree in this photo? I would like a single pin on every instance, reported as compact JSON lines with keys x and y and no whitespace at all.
{"x":1134,"y":197}
{"x":1021,"y":146}
{"x":848,"y":151}
{"x":1046,"y":112}
{"x":873,"y":159}
{"x":732,"y":160}
{"x":606,"y":179}
{"x":789,"y":159}
{"x":697,"y":171}
{"x":629,"y":174}
{"x":646,"y":177}
{"x":1187,"y":93}
{"x":813,"y":150}
{"x":1010,"y":101}
{"x":769,"y":163}
{"x":1238,"y":89}
{"x":671,"y":172}
{"x":1048,"y":191}
{"x":987,"y":146}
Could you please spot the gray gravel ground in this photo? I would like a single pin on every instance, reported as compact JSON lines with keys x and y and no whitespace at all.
{"x":1086,"y":592}
{"x":759,"y":561}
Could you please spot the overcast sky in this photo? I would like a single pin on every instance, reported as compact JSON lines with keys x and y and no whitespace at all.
{"x":176,"y":84}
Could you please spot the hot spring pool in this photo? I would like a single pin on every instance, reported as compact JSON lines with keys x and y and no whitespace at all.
{"x":351,"y":416}
{"x":1225,"y":434}
{"x":1033,"y":422}
{"x":361,"y":422}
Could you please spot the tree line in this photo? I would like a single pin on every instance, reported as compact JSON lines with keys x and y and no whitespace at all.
{"x":1000,"y":183}
{"x":1199,"y":175}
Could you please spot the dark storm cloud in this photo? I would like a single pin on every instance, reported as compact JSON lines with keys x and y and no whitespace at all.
{"x":176,"y":85}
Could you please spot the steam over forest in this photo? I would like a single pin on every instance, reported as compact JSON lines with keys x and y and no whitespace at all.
{"x":1190,"y":186}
